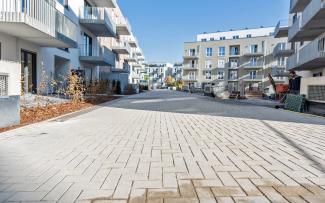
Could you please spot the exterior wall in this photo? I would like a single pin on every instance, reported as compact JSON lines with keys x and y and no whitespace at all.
{"x":306,"y":82}
{"x":241,"y":33}
{"x":266,"y":58}
{"x":13,"y":70}
{"x":9,"y":111}
{"x":307,"y":32}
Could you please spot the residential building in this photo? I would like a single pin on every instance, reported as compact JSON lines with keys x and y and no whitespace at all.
{"x":235,"y":60}
{"x":177,"y":73}
{"x":305,"y":30}
{"x":45,"y":40}
{"x":157,"y":73}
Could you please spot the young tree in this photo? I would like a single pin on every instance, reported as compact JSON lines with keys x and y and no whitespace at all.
{"x":169,"y":81}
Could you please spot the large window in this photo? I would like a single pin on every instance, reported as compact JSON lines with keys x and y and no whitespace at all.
{"x":222,"y":51}
{"x":252,"y":74}
{"x":254,"y":48}
{"x":208,"y":64}
{"x":253,"y":61}
{"x":221,"y":63}
{"x":233,"y":74}
{"x":281,"y":61}
{"x":87,"y":45}
{"x":209,"y":51}
{"x":234,"y":50}
{"x":208,"y":74}
{"x":221,"y":75}
{"x":192,"y":52}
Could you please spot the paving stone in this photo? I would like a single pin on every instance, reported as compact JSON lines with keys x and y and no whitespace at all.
{"x":166,"y":146}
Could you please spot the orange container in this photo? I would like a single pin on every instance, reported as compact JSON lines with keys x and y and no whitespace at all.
{"x":282,"y":88}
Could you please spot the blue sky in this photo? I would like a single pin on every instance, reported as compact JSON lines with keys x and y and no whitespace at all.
{"x":162,"y":26}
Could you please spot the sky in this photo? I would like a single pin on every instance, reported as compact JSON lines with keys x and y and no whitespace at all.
{"x":162,"y":26}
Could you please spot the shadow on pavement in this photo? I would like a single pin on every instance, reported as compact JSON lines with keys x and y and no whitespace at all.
{"x":292,"y":143}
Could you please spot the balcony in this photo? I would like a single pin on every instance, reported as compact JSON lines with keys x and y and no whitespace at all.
{"x":310,"y":24}
{"x":120,"y":47}
{"x":253,"y":78}
{"x":309,"y":57}
{"x":281,"y":29}
{"x":131,"y":58}
{"x":253,"y":65}
{"x":37,"y":22}
{"x":106,"y":3}
{"x":97,"y":21}
{"x":133,"y":42}
{"x":283,"y":50}
{"x":190,"y":56}
{"x":249,"y":52}
{"x":123,"y":26}
{"x":189,"y":79}
{"x":298,"y":5}
{"x":100,"y":56}
{"x":233,"y":65}
{"x":190,"y":67}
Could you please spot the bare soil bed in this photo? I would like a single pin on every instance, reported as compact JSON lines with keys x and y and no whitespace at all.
{"x":37,"y":114}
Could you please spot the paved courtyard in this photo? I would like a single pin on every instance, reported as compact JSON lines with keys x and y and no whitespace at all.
{"x":165,"y":146}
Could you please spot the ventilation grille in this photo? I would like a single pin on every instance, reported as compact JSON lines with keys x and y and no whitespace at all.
{"x":3,"y":85}
{"x":316,"y":92}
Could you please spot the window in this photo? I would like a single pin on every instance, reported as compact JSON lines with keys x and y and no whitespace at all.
{"x":211,"y":39}
{"x":209,"y":51}
{"x":222,"y":51}
{"x":222,"y":38}
{"x":233,"y":63}
{"x":321,"y":45}
{"x":233,"y":75}
{"x":252,"y":75}
{"x":208,"y":74}
{"x":221,"y":75}
{"x":87,"y":45}
{"x":234,"y":50}
{"x":253,"y":48}
{"x":191,"y":75}
{"x":281,"y":61}
{"x":249,"y":36}
{"x":221,"y":63}
{"x":203,"y":40}
{"x":253,"y":61}
{"x":208,"y":64}
{"x":235,"y":37}
{"x":192,"y":52}
{"x":192,"y":64}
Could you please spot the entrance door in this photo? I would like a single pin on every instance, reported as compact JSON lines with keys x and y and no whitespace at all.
{"x":28,"y":70}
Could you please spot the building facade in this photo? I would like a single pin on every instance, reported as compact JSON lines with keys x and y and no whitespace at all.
{"x":50,"y":38}
{"x":305,"y":30}
{"x":157,"y":73}
{"x":234,"y":60}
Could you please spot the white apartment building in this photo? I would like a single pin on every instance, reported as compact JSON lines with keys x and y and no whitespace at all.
{"x":91,"y":37}
{"x":157,"y":73}
{"x":234,"y":60}
{"x":306,"y":34}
